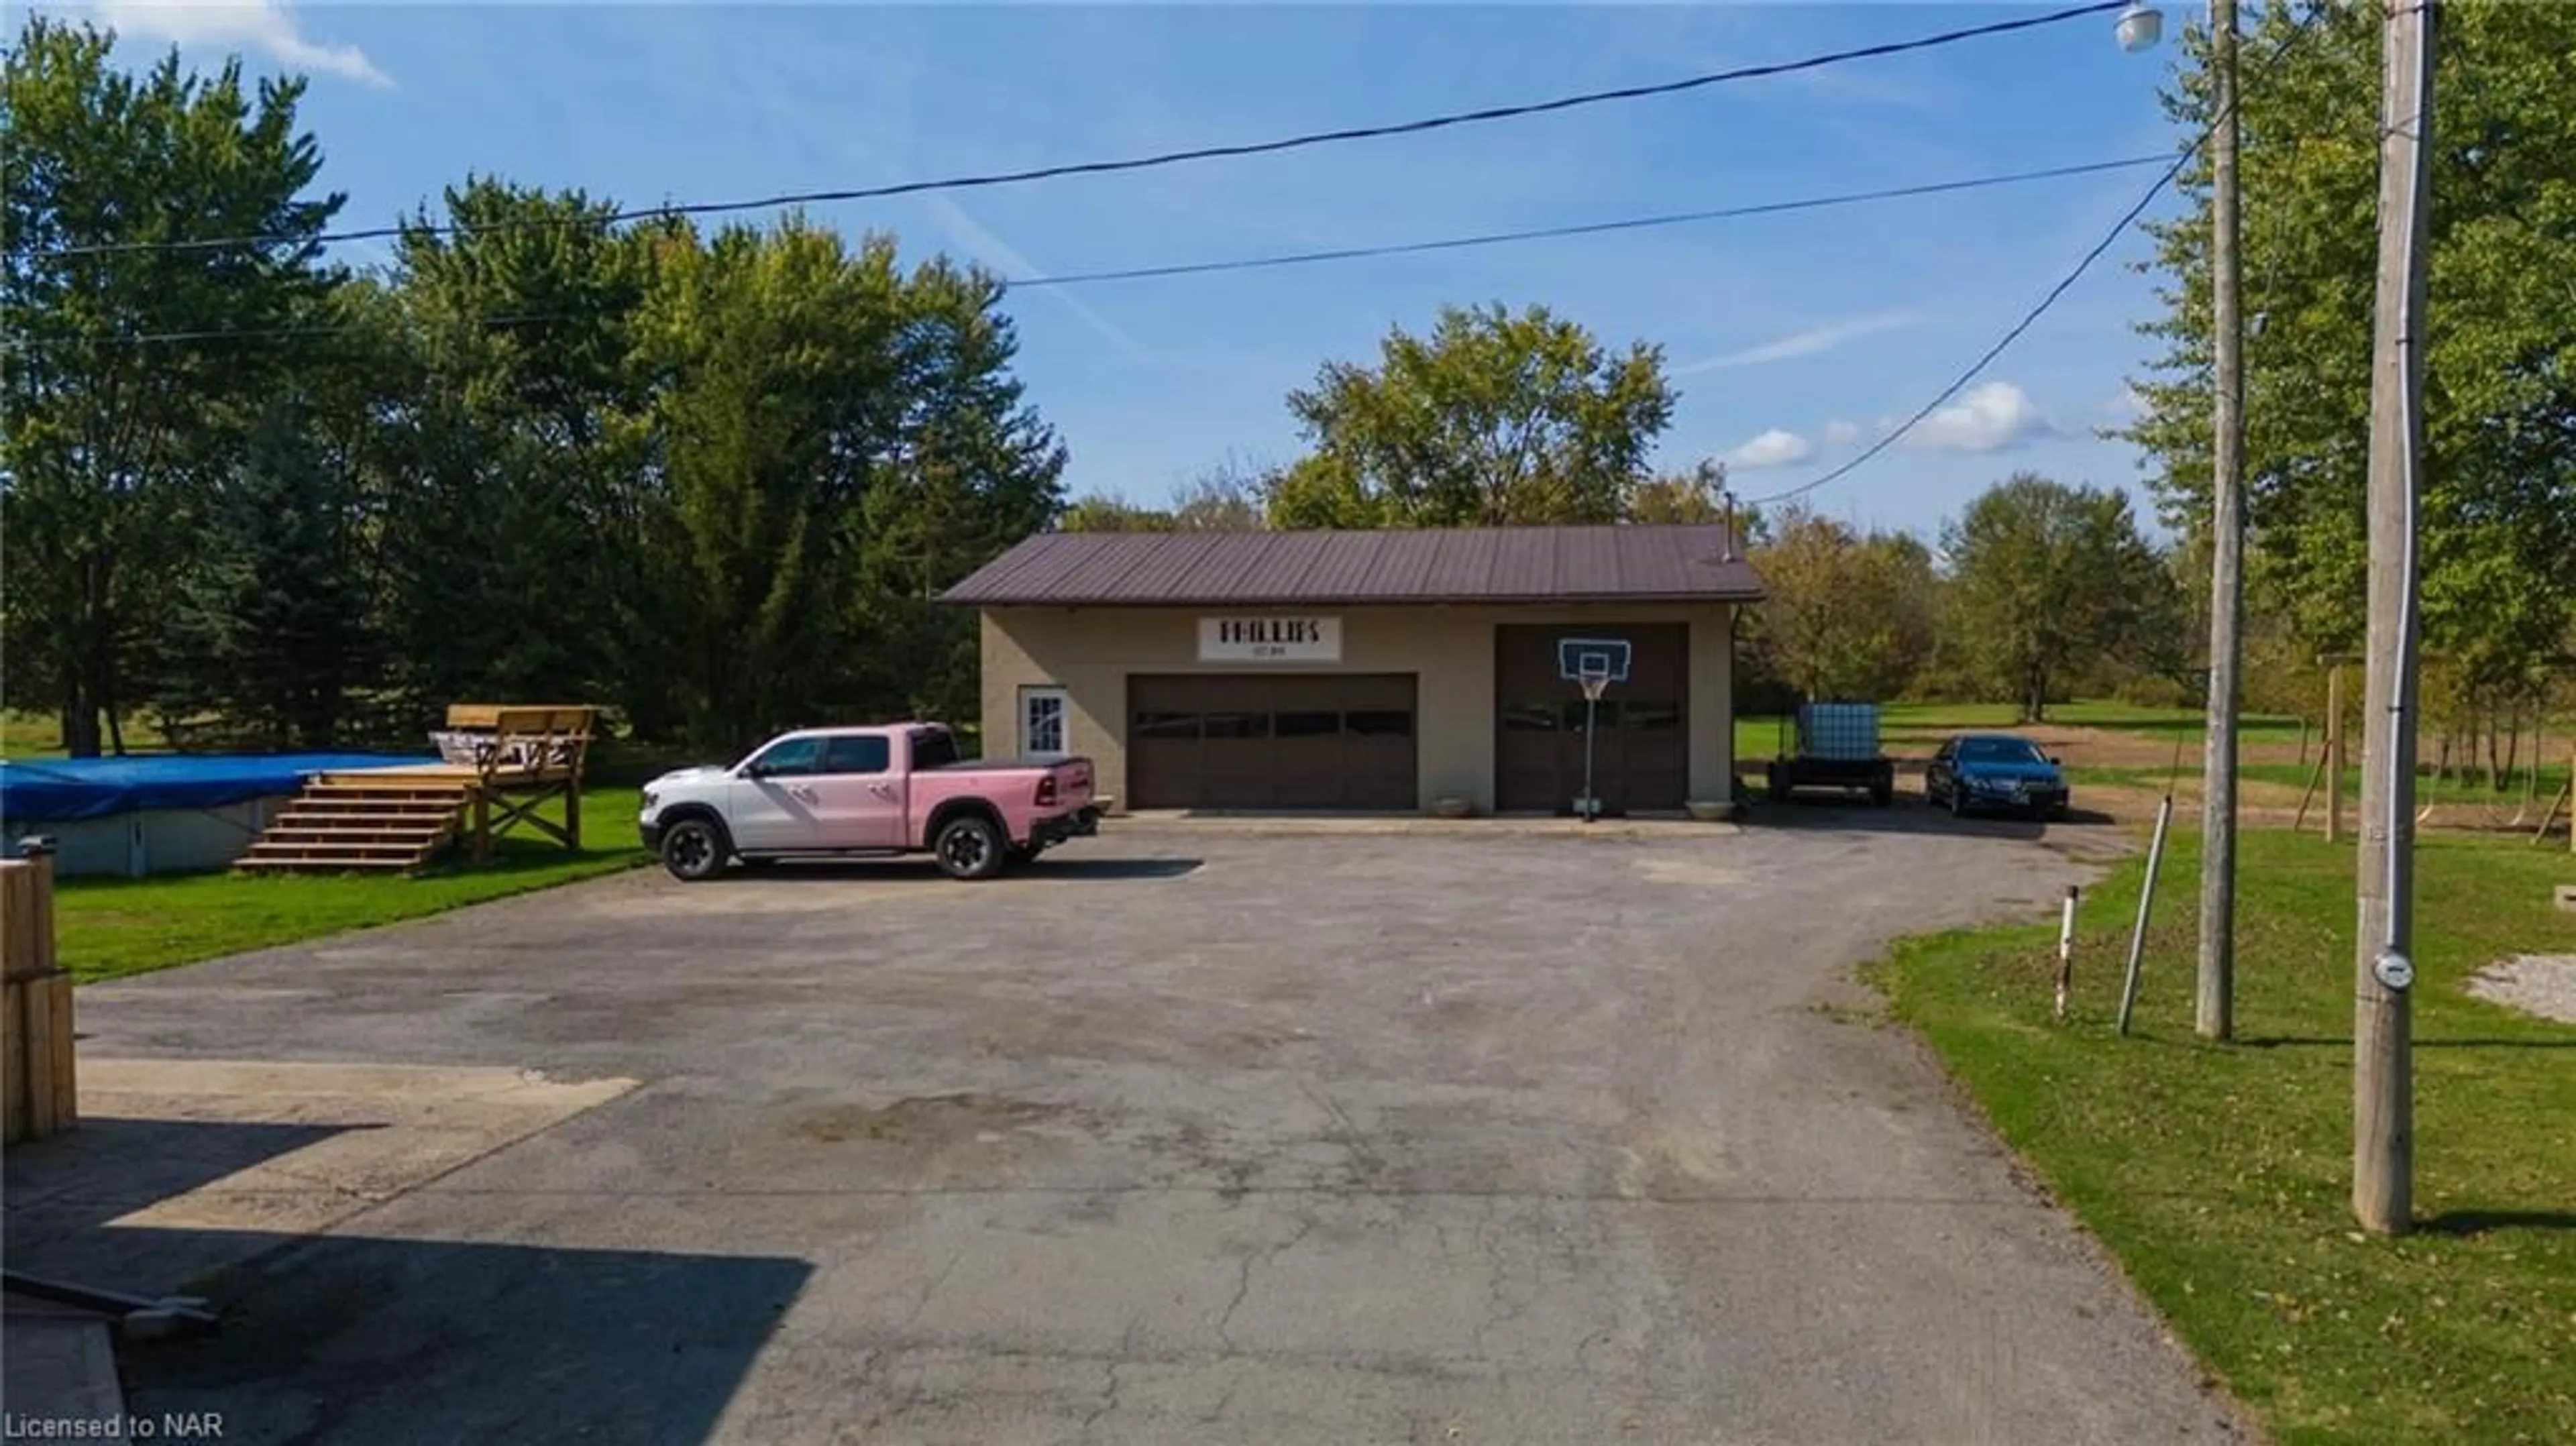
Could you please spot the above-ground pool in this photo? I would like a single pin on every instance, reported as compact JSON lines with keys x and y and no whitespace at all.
{"x":159,"y":813}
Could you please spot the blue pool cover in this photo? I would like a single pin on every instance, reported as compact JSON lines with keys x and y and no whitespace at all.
{"x":64,"y":789}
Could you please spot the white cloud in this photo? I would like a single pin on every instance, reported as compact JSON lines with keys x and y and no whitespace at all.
{"x":1841,"y":434}
{"x":266,"y":26}
{"x":1991,"y":417}
{"x":993,"y":251}
{"x":1774,"y":448}
{"x":1814,"y":341}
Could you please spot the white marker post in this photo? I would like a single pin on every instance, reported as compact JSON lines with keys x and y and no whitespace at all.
{"x":2065,"y":952}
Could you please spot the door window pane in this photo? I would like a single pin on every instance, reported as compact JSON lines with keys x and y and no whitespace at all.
{"x":1651,"y":717}
{"x":855,"y":755}
{"x":1167,"y":725}
{"x":1042,"y":723}
{"x":1308,"y":725}
{"x":1530,"y":717}
{"x":1605,"y":713}
{"x":936,"y":748}
{"x":1380,"y":723}
{"x":1238,"y":725}
{"x":795,"y":757}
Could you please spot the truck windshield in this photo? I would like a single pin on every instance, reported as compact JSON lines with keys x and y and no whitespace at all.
{"x":933,"y":748}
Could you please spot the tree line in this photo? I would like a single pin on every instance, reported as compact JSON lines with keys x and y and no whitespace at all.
{"x":2498,"y":508}
{"x":713,"y":479}
{"x":717,"y":479}
{"x":1498,"y":418}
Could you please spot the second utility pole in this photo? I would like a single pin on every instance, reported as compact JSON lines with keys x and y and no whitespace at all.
{"x":2216,"y":1013}
{"x":2383,"y":1059}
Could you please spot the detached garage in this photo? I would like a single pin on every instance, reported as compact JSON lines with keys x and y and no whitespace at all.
{"x":1370,"y":671}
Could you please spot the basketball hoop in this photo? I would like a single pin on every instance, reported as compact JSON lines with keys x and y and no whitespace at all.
{"x":1592,"y":664}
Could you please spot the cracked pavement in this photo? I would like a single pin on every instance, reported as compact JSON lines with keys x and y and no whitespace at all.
{"x":1186,"y":1135}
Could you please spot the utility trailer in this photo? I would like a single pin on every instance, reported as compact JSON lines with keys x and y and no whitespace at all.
{"x":1836,"y":746}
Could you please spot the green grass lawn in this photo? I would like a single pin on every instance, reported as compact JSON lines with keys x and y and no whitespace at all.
{"x":106,"y":928}
{"x":2428,"y":789}
{"x":2220,"y":1175}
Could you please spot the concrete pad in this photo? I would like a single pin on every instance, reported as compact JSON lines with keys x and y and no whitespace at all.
{"x":1198,"y":1134}
{"x":58,"y":1374}
{"x":183,"y":1166}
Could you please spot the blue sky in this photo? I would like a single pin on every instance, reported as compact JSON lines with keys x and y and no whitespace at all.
{"x":1792,"y":338}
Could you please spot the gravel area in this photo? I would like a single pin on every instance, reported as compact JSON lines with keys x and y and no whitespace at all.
{"x":2542,"y":984}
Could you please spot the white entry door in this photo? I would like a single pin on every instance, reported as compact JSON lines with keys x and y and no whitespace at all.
{"x":1045,"y":723}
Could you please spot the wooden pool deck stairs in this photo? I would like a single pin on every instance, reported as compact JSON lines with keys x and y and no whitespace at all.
{"x":402,"y":818}
{"x":368,"y":821}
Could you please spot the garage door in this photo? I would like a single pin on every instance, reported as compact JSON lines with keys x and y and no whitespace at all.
{"x":1641,"y":751}
{"x":1297,"y":741}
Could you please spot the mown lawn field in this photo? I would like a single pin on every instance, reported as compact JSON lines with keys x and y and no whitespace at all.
{"x":2220,"y":1174}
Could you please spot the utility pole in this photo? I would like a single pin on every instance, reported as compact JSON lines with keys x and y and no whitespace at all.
{"x":2383,"y":1135}
{"x":2216,"y":1014}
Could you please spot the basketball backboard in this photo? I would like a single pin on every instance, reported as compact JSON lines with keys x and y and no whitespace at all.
{"x":1592,"y":661}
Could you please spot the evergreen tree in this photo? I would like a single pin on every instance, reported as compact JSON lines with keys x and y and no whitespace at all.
{"x":272,"y":628}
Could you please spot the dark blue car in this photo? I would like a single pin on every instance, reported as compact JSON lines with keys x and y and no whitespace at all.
{"x":1997,"y":771}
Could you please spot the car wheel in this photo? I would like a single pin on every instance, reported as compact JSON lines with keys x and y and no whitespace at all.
{"x":694,"y":849}
{"x":1958,"y":801}
{"x":971,"y":848}
{"x":2057,"y":813}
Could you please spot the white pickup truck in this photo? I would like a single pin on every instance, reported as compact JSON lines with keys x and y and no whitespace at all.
{"x":887,"y":790}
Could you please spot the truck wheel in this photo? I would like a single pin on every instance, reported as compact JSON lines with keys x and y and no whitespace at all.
{"x":694,"y":849}
{"x":970,"y":847}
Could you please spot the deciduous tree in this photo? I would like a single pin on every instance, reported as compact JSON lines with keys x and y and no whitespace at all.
{"x":1698,"y":495}
{"x":2046,"y":579}
{"x":1495,"y":418}
{"x":133,"y":364}
{"x":2499,"y":506}
{"x":1849,"y":615}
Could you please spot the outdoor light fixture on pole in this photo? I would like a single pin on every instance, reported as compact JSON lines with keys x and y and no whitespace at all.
{"x":2139,"y":28}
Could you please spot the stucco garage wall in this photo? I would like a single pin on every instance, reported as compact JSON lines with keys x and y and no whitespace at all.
{"x":1090,"y":652}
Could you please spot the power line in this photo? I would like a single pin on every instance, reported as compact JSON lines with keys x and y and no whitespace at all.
{"x":1595,"y":228}
{"x":1147,"y":162}
{"x":1302,"y":258}
{"x":1977,"y":367}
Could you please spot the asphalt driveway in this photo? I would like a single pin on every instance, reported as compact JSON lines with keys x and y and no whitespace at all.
{"x":1186,"y":1136}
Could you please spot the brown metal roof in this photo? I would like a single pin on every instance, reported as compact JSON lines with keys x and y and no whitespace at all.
{"x":1482,"y":564}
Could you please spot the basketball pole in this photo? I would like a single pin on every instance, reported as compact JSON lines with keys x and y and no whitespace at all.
{"x":1591,"y":714}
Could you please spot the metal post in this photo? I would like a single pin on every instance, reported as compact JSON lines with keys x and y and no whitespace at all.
{"x":2146,"y":905}
{"x":2216,"y":1011}
{"x":2383,"y":1145}
{"x":2334,"y":754}
{"x":1591,"y":709}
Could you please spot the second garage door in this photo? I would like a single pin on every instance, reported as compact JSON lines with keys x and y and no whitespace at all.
{"x":1289,"y":741}
{"x":1640,"y":751}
